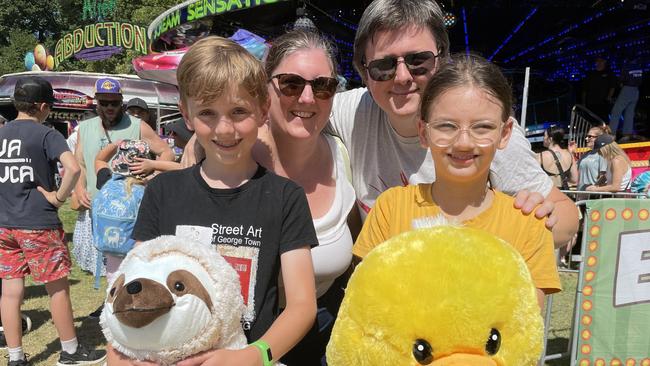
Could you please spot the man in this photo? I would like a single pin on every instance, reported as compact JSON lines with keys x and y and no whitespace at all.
{"x":396,"y":56}
{"x":32,"y":241}
{"x":111,"y":125}
{"x":598,"y":89}
{"x":631,"y":79}
{"x":138,"y":108}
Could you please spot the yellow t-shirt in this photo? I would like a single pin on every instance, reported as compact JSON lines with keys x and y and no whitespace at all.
{"x":397,"y":208}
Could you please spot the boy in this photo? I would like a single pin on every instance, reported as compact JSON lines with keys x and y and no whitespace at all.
{"x":257,"y":220}
{"x":31,"y":235}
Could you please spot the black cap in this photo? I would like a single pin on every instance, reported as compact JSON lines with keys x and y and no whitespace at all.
{"x":180,"y":129}
{"x":137,"y":102}
{"x":33,"y":89}
{"x":603,"y":140}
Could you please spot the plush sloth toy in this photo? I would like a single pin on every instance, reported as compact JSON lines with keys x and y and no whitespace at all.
{"x":441,"y":296}
{"x":173,"y":298}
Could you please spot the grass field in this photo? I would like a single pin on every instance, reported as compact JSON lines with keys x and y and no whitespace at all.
{"x":42,"y":343}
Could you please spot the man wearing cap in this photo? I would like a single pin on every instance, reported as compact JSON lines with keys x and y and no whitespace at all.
{"x":31,"y":235}
{"x":110,"y":126}
{"x":138,"y":108}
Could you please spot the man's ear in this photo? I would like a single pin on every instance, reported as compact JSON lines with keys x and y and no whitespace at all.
{"x":186,"y":117}
{"x":506,"y":132}
{"x":422,"y":133}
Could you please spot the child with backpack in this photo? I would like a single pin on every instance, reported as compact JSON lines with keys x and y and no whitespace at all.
{"x":115,"y":207}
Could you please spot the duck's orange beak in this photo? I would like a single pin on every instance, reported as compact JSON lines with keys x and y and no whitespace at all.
{"x":464,"y":359}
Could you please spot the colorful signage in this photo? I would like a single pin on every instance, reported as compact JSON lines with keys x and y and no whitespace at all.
{"x":101,"y":40}
{"x":99,"y":9}
{"x":197,"y":9}
{"x":67,"y":98}
{"x":613,"y":305}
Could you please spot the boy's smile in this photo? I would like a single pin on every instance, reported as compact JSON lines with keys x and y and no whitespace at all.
{"x":226,"y":127}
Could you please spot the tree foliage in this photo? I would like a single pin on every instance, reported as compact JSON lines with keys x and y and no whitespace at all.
{"x":24,"y":23}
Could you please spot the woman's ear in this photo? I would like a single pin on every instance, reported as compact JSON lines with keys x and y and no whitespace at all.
{"x":506,"y":132}
{"x":422,"y":133}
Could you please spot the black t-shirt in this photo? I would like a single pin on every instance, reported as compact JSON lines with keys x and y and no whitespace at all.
{"x":251,"y":225}
{"x":597,"y":85}
{"x":29,"y":152}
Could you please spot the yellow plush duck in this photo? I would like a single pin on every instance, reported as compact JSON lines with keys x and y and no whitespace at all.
{"x":441,"y":296}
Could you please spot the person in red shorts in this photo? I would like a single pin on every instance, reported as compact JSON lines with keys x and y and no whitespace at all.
{"x":31,"y":235}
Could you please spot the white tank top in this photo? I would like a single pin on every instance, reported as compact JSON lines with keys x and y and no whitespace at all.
{"x":333,"y":255}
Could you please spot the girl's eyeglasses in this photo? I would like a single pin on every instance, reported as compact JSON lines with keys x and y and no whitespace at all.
{"x":418,"y":63}
{"x":292,"y":85}
{"x":445,"y":134}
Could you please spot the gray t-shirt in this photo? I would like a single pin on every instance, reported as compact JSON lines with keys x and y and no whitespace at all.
{"x":381,"y":158}
{"x":589,"y":167}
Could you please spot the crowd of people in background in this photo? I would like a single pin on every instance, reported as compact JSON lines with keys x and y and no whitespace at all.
{"x":430,"y":134}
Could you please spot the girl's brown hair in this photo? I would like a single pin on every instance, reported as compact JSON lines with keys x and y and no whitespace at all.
{"x":468,"y":70}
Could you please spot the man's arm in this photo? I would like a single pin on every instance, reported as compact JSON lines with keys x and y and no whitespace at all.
{"x":562,"y":212}
{"x":80,"y":188}
{"x":156,"y":144}
{"x":515,"y":171}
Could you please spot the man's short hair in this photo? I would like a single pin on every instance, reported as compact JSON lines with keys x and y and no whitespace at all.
{"x":214,"y":64}
{"x":389,"y":15}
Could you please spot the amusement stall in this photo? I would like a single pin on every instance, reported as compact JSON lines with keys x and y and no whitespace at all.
{"x":74,"y":92}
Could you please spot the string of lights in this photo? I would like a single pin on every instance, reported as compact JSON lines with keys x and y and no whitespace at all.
{"x":514,"y":31}
{"x":465,"y":30}
{"x":564,"y":32}
{"x":576,"y":59}
{"x":335,"y":19}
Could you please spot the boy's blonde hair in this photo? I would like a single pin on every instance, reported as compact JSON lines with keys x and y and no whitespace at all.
{"x":214,"y":64}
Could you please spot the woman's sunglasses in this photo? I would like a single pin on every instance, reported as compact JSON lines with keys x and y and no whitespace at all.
{"x":418,"y":63}
{"x":292,"y":85}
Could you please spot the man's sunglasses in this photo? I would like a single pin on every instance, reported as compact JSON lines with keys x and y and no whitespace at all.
{"x":418,"y":63}
{"x":292,"y":85}
{"x":110,"y":103}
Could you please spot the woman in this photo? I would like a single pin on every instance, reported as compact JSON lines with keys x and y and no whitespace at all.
{"x":592,"y":166}
{"x":557,"y":161}
{"x":619,"y":168}
{"x":296,"y":144}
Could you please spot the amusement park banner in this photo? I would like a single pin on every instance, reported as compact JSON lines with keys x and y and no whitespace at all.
{"x":613,"y":307}
{"x":194,"y":10}
{"x":101,"y":40}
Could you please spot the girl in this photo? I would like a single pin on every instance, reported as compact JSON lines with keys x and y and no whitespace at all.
{"x":123,"y":186}
{"x":619,"y":168}
{"x":464,"y":121}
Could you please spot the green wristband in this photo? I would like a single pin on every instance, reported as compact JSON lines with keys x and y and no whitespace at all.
{"x":265,"y":350}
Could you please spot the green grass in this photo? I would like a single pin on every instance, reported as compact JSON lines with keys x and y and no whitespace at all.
{"x":43,"y":345}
